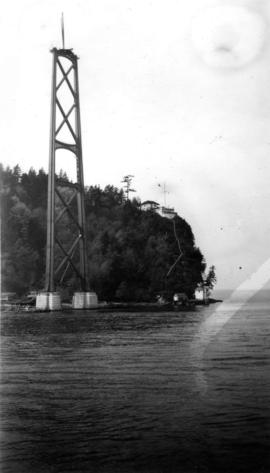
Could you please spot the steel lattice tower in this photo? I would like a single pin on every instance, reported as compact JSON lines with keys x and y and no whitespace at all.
{"x":69,"y":203}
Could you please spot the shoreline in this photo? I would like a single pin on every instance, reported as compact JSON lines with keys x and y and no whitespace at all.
{"x":115,"y":306}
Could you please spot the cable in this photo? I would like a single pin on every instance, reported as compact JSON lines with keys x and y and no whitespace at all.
{"x":180,"y":250}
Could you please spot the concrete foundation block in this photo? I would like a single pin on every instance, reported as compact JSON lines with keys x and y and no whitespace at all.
{"x":48,"y":301}
{"x":91,"y":299}
{"x":84,"y":300}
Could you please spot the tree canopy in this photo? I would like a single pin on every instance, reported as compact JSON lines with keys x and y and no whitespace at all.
{"x":130,"y":250}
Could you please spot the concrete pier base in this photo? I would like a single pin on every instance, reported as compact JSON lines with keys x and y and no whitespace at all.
{"x":84,"y":300}
{"x":48,"y":301}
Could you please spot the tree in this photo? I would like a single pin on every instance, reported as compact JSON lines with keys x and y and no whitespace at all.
{"x":211,"y":278}
{"x":127,"y":180}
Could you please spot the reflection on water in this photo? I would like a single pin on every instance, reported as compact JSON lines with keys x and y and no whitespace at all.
{"x":122,"y":392}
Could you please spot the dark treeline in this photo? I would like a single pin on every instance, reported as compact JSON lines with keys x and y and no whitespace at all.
{"x":130,"y":251}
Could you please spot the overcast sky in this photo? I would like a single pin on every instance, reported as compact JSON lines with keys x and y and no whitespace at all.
{"x":174,"y":92}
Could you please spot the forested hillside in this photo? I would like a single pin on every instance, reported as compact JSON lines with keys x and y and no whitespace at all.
{"x":130,"y":251}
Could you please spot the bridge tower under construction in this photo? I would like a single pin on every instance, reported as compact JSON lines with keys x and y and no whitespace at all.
{"x":66,"y":206}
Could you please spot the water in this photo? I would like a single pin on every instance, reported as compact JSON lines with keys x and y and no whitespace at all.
{"x":136,"y":392}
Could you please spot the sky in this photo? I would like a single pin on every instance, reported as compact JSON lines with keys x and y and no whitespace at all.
{"x":174,"y":93}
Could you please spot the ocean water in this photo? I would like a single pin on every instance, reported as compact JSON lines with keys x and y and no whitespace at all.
{"x":118,"y":392}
